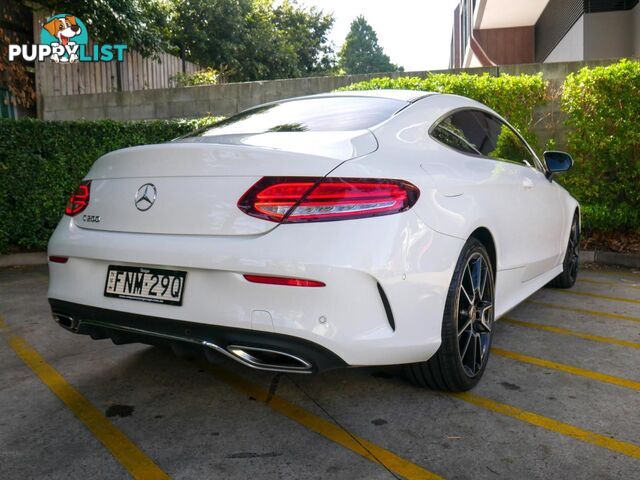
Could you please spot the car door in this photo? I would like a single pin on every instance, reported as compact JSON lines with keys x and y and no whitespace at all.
{"x":539,"y":201}
{"x":511,"y":196}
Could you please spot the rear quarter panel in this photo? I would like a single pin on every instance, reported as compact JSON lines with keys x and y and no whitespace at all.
{"x":454,"y":189}
{"x":460,"y":193}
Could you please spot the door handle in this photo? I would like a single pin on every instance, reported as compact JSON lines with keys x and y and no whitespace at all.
{"x":527,"y":184}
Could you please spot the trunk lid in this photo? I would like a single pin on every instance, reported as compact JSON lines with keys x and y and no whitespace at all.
{"x":193,"y":185}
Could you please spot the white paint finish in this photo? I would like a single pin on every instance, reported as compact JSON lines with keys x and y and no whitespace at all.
{"x":312,"y":153}
{"x":466,"y":192}
{"x":186,"y":205}
{"x":340,"y":254}
{"x":261,"y":320}
{"x":509,"y":13}
{"x":511,"y":290}
{"x":571,"y":47}
{"x":405,"y":95}
{"x":608,"y":35}
{"x":199,"y":184}
{"x":412,"y":254}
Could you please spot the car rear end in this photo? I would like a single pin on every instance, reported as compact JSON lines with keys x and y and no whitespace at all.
{"x":248,"y":245}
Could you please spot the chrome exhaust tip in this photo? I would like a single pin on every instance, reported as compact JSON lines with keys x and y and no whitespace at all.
{"x":67,"y":322}
{"x":263,"y":358}
{"x":267,"y":358}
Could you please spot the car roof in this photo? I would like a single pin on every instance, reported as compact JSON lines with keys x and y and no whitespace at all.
{"x":405,"y":95}
{"x":408,"y":96}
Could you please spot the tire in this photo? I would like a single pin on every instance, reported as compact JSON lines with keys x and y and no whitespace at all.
{"x":467,"y":326}
{"x":571,"y":262}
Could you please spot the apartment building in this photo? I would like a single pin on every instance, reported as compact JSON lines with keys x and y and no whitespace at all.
{"x":502,"y":32}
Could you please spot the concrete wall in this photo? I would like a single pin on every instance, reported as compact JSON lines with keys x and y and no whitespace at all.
{"x":231,"y":98}
{"x":608,"y":34}
{"x":571,"y":47}
{"x":187,"y":102}
{"x":636,"y":30}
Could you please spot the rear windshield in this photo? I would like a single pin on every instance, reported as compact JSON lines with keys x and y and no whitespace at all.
{"x":327,"y":114}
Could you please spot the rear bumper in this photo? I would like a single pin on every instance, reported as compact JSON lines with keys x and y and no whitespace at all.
{"x":357,"y":260}
{"x":297,"y":355}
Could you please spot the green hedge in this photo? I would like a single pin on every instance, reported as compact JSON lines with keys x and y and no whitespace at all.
{"x":603,"y":110}
{"x":513,"y":97}
{"x":41,"y":163}
{"x":208,"y":76}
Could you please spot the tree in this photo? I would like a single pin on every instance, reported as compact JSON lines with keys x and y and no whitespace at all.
{"x":305,"y":32}
{"x":132,"y":22}
{"x":361,"y":52}
{"x":252,"y":39}
{"x":243,"y":39}
{"x":212,"y":33}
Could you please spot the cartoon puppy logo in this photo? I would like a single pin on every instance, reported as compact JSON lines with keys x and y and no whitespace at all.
{"x":64,"y":39}
{"x":64,"y":29}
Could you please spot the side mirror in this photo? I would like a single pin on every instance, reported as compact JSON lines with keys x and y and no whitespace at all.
{"x":557,"y":162}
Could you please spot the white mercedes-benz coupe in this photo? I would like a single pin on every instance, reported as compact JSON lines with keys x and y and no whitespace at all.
{"x":343,"y":229}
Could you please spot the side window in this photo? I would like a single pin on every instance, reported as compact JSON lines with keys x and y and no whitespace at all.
{"x":449,"y":132}
{"x":510,"y":147}
{"x":479,"y":133}
{"x":468,"y":131}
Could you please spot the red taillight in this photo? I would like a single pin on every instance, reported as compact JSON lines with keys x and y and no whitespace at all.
{"x":79,"y":200}
{"x":291,"y":282}
{"x":57,"y":259}
{"x":293,"y":200}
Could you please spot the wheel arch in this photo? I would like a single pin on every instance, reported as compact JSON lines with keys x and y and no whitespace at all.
{"x":484,"y":236}
{"x":573,"y":209}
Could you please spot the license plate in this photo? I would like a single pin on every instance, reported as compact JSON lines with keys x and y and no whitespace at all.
{"x":145,"y":284}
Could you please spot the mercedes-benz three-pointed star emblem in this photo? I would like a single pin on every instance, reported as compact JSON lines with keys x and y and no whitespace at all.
{"x":145,"y":197}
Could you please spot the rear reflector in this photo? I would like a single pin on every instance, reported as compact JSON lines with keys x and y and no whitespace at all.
{"x":79,"y":200}
{"x":300,"y":199}
{"x":56,"y":259}
{"x":291,"y":282}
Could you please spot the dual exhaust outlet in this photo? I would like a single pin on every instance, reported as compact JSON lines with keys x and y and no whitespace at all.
{"x":254,"y":357}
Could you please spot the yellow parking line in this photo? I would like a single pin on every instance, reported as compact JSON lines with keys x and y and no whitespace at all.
{"x":573,"y":333}
{"x":610,"y":284}
{"x":601,"y":377}
{"x":329,"y":430}
{"x":547,"y":423}
{"x":597,"y":313}
{"x":597,"y":295}
{"x":121,"y":447}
